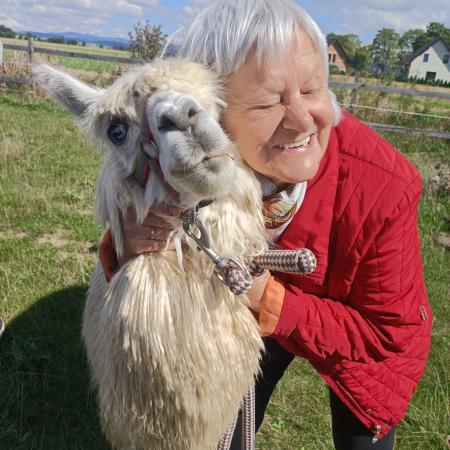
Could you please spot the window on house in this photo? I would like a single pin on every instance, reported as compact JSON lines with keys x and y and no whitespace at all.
{"x":445,"y":59}
{"x":430,"y":76}
{"x":329,"y":57}
{"x":425,"y":57}
{"x":334,"y":58}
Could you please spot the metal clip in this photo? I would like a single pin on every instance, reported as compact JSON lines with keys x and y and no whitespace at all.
{"x":192,"y":224}
{"x":199,"y":233}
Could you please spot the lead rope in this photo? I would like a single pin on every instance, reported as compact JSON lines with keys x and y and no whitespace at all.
{"x":238,"y":277}
{"x":248,"y":426}
{"x":248,"y":421}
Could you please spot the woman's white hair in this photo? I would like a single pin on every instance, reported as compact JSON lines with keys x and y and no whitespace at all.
{"x":223,"y":35}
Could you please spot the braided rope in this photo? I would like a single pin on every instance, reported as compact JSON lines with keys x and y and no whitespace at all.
{"x":248,"y":421}
{"x":288,"y":261}
{"x":239,"y":281}
{"x":248,"y":425}
{"x":225,"y":442}
{"x":300,"y":261}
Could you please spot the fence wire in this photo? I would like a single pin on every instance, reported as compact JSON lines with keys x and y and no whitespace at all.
{"x":411,"y":113}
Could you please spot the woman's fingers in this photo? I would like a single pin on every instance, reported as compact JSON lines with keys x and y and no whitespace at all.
{"x":158,"y":234}
{"x":151,"y":246}
{"x":152,"y":235}
{"x":165,"y":210}
{"x":154,"y":221}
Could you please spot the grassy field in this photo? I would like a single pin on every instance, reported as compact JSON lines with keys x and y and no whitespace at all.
{"x":71,"y":63}
{"x":47,"y":251}
{"x":70,"y":48}
{"x":433,"y":113}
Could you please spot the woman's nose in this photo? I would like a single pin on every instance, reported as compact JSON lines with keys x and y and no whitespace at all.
{"x":297,"y":117}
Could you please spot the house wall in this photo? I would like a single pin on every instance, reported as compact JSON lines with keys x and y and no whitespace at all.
{"x":436,"y":53}
{"x":336,"y":60}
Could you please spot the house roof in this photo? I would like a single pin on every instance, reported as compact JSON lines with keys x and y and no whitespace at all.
{"x":423,"y":49}
{"x":340,"y":49}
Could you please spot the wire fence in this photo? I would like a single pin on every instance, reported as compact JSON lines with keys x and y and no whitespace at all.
{"x":356,"y":88}
{"x":411,"y":113}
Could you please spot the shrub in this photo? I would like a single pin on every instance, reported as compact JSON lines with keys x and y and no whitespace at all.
{"x":147,"y":42}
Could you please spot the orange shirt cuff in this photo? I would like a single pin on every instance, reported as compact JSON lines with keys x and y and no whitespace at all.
{"x":271,"y":305}
{"x":107,"y":255}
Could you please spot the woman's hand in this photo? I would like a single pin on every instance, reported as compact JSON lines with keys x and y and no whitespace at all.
{"x":149,"y":236}
{"x":256,"y":292}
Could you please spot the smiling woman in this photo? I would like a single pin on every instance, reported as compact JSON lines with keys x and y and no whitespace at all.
{"x":288,"y":109}
{"x":331,"y":184}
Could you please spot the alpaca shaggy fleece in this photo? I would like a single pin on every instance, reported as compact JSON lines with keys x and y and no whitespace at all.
{"x":172,"y":351}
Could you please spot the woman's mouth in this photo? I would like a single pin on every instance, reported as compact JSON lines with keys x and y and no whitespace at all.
{"x":297,"y":146}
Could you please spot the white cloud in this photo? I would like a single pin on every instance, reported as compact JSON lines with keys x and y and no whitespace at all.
{"x":363,"y":17}
{"x":86,"y":16}
{"x":357,"y":16}
{"x":368,"y":16}
{"x":196,"y":6}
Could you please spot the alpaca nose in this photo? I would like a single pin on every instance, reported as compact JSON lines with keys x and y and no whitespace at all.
{"x":181,"y":116}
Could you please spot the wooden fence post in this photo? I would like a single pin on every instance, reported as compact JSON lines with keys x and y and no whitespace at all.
{"x":30,"y":60}
{"x":30,"y":50}
{"x":354,"y":96}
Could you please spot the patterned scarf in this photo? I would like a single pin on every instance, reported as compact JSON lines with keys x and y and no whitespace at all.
{"x":279,"y":208}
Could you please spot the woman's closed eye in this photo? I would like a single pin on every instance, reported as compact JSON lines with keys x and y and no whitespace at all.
{"x":266,"y":105}
{"x":314,"y":91}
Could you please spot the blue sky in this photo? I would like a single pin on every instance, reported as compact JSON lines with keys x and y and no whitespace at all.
{"x":116,"y":17}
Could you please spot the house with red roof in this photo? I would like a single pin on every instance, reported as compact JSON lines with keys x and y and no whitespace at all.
{"x":337,"y":56}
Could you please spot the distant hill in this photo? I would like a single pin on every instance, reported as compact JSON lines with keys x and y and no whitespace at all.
{"x":88,"y":38}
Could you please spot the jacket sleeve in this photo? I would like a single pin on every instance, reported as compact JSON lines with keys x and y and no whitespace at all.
{"x":385,"y":308}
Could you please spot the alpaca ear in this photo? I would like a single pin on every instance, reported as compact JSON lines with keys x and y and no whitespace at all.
{"x":72,"y":94}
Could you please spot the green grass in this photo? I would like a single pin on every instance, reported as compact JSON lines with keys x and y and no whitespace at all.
{"x":70,"y":48}
{"x":69,"y":62}
{"x":47,"y":252}
{"x":422,"y":105}
{"x":90,"y":65}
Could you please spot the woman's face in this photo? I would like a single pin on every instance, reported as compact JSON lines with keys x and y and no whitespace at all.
{"x":280,"y":115}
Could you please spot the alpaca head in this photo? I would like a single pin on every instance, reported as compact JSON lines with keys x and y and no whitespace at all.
{"x":170,"y":110}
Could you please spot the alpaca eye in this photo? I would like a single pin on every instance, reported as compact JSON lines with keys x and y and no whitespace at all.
{"x":118,"y":130}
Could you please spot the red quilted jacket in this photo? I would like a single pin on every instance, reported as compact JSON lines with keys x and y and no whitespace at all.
{"x":362,"y":318}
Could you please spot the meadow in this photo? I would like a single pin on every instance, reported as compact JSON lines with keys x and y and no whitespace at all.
{"x":48,"y":244}
{"x":68,"y":62}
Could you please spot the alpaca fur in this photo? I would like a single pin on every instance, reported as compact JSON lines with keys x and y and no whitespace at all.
{"x":172,"y":351}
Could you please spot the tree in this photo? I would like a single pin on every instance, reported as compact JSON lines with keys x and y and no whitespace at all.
{"x":385,"y":51}
{"x":433,"y":30}
{"x":409,"y":41}
{"x":72,"y":42}
{"x":361,"y":60}
{"x":56,"y":40}
{"x":147,"y":42}
{"x":6,"y":32}
{"x":436,"y":29}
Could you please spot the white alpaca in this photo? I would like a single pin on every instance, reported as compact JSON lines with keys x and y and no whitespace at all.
{"x":172,"y":351}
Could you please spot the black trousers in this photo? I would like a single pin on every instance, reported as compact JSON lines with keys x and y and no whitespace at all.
{"x":348,"y":432}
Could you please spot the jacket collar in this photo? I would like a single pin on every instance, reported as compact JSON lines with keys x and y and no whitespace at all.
{"x":311,"y":225}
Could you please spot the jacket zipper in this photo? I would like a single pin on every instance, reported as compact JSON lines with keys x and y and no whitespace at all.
{"x":376,"y":436}
{"x":423,"y":312}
